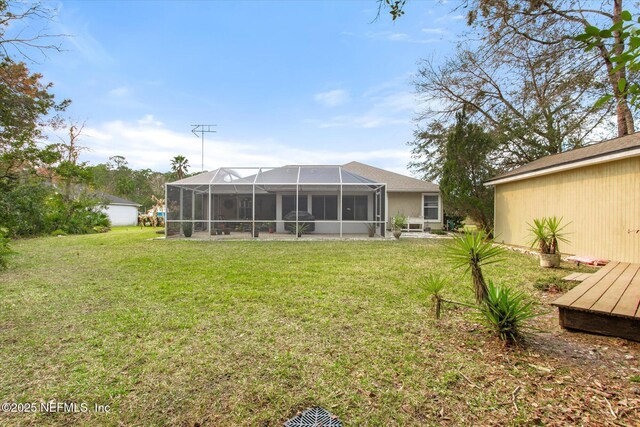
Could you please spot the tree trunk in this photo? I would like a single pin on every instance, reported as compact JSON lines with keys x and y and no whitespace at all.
{"x":478,"y":283}
{"x":623,"y":113}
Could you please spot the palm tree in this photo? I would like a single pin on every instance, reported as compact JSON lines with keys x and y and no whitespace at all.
{"x":180,"y":166}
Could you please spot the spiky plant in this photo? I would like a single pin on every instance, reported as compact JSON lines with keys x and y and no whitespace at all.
{"x":539,"y":236}
{"x":546,"y":233}
{"x":555,"y":233}
{"x":434,"y":284}
{"x":472,"y":251}
{"x":505,"y":310}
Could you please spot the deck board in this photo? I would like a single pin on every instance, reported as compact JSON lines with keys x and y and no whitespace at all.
{"x":577,"y":277}
{"x":575,"y":293}
{"x":606,"y":303}
{"x":610,"y":298}
{"x":630,"y":300}
{"x":590,"y":297}
{"x":571,"y":277}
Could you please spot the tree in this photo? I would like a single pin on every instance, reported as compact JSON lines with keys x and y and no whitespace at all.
{"x":628,"y":33}
{"x":553,"y":24}
{"x":25,"y":103}
{"x":26,"y":38}
{"x":536,"y":101}
{"x":558,"y":22}
{"x":466,"y":168}
{"x":69,"y":170}
{"x":180,"y":166}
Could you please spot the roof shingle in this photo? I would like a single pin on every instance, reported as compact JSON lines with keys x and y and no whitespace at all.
{"x":395,"y":181}
{"x":611,"y":146}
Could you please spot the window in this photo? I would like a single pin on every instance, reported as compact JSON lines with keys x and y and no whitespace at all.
{"x":354,"y":208}
{"x":431,"y":208}
{"x":325,"y":207}
{"x":289,"y":204}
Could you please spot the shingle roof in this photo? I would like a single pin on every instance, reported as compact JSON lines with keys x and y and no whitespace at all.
{"x":604,"y":148}
{"x":395,"y":181}
{"x":115,"y":200}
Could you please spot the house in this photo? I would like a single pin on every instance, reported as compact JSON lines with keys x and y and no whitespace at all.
{"x":412,"y":197}
{"x":329,"y":199}
{"x":120,"y":211}
{"x":595,"y":189}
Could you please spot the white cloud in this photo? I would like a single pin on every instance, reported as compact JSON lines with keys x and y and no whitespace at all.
{"x":392,"y":36}
{"x":440,"y":31}
{"x":149,"y":120}
{"x":69,"y":22}
{"x":120,"y":92}
{"x":389,"y":104}
{"x":450,"y":17}
{"x":367,"y":121}
{"x":146,"y":143}
{"x":332,"y":98}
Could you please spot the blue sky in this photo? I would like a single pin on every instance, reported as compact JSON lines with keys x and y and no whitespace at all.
{"x":285,"y":81}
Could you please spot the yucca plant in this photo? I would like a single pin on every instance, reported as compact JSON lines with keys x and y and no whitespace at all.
{"x":505,"y":310}
{"x":434,"y":284}
{"x":539,"y":236}
{"x":472,"y":251}
{"x":546,"y":233}
{"x":555,"y":233}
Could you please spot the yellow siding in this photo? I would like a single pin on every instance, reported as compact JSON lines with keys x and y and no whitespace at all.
{"x":601,"y":202}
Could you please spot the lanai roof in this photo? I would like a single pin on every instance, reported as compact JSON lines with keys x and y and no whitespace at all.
{"x":286,"y":175}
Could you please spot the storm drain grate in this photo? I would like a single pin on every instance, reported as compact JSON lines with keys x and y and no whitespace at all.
{"x":314,"y":417}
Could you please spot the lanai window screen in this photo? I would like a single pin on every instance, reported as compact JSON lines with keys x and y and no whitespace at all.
{"x":321,"y":200}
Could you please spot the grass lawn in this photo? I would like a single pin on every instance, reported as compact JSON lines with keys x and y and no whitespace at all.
{"x":249,"y":333}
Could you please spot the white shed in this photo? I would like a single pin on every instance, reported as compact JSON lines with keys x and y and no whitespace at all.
{"x":121,"y":211}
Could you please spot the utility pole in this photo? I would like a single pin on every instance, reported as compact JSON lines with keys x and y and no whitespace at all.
{"x":202,"y":129}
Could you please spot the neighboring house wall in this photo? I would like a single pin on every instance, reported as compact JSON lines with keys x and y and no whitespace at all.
{"x":411,"y":205}
{"x":600,"y":204}
{"x":122,"y":215}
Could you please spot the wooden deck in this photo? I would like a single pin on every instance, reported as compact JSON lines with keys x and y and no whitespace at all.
{"x":607,"y":302}
{"x":577,"y":277}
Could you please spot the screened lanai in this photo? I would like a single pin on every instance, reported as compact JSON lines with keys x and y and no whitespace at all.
{"x":275,"y":202}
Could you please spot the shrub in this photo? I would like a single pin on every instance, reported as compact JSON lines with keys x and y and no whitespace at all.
{"x":58,"y":232}
{"x":80,"y":215}
{"x":438,"y":232}
{"x":23,"y":209}
{"x":187,"y":229}
{"x":505,"y":311}
{"x":553,"y":284}
{"x":398,"y":222}
{"x":4,"y":248}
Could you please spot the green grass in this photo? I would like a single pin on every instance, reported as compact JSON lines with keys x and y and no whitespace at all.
{"x":246,"y":333}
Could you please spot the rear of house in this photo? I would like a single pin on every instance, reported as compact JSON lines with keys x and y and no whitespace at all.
{"x":417,"y":199}
{"x":596,"y":189}
{"x":325,"y":199}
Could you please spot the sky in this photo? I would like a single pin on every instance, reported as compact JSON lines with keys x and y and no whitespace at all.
{"x":285,"y":82}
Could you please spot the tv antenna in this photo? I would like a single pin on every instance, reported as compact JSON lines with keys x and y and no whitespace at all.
{"x":201,"y":130}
